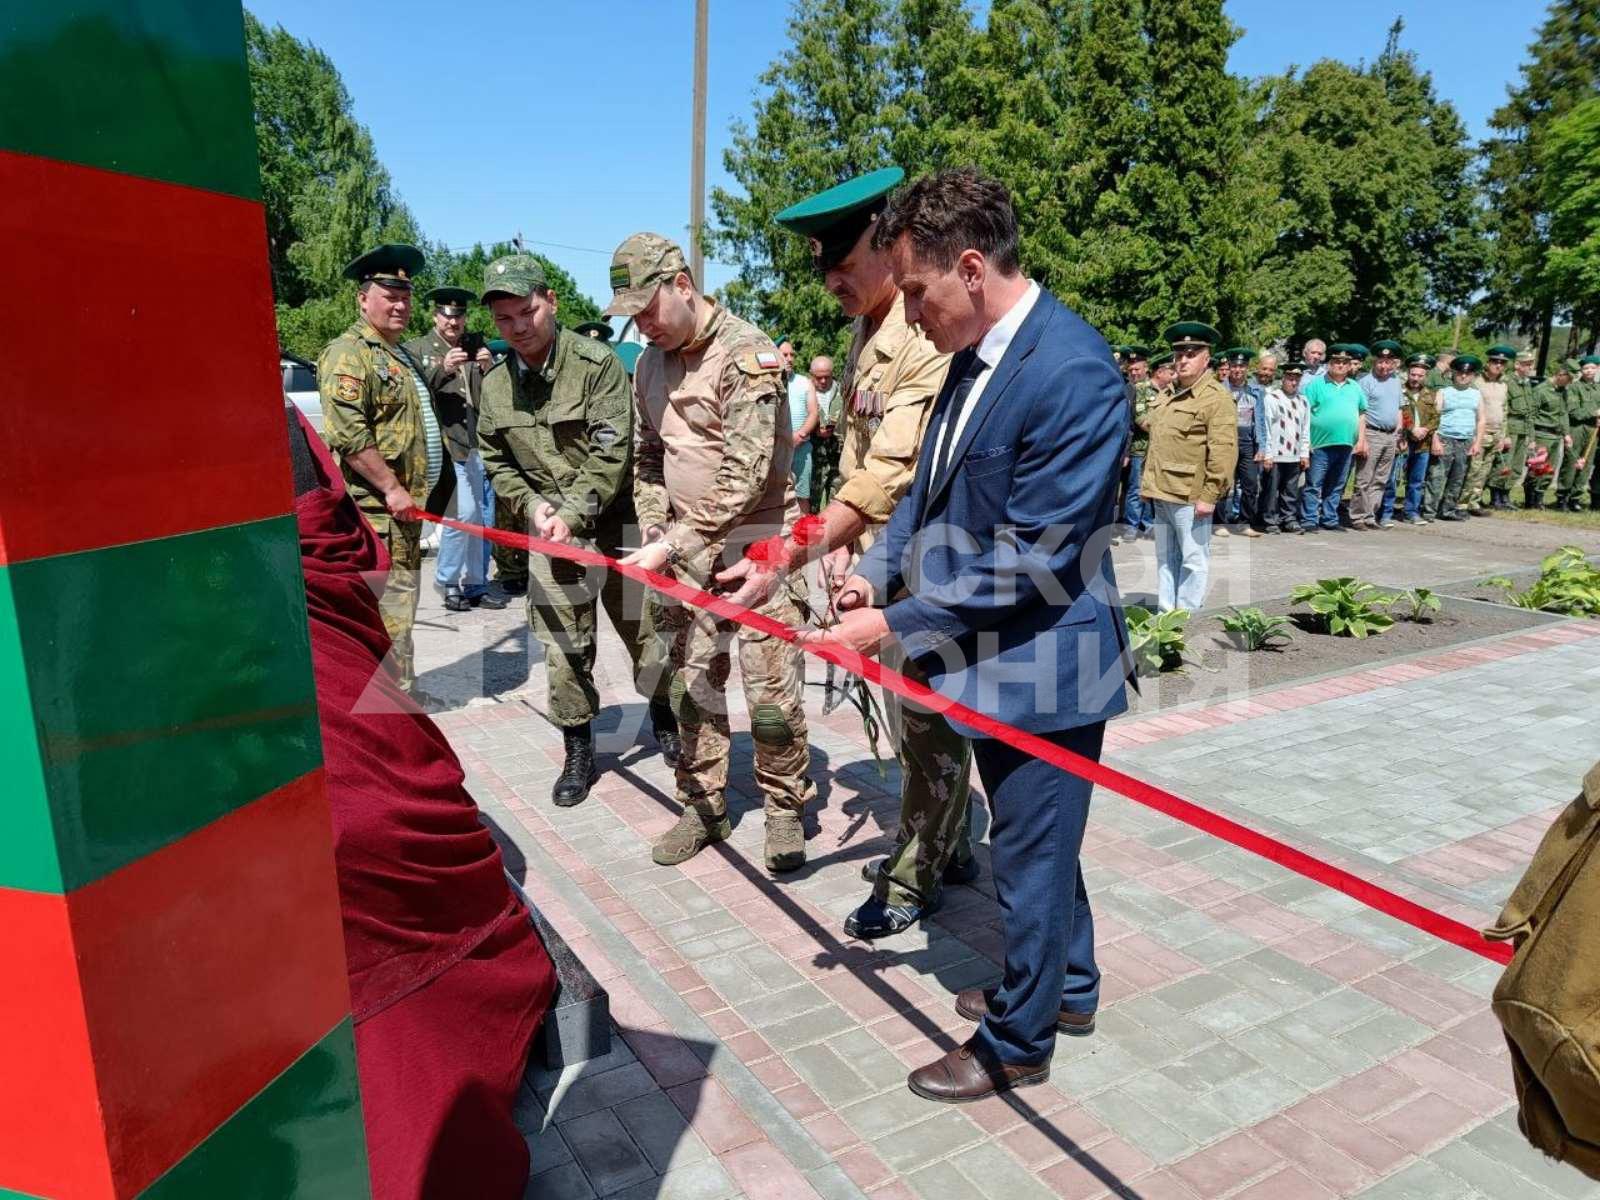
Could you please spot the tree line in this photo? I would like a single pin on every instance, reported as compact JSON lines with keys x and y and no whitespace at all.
{"x":1339,"y":200}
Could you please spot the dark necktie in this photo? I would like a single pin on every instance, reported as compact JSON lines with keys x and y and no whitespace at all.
{"x":970,"y":370}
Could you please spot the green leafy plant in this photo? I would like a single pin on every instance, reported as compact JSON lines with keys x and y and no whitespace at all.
{"x":1568,"y":583}
{"x":1254,"y":629}
{"x":1345,"y":607}
{"x":1422,"y":603}
{"x":1157,"y":640}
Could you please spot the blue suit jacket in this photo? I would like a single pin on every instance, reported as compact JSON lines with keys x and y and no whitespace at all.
{"x":1013,"y":608}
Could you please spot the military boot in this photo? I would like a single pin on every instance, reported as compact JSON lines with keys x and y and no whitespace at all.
{"x":1530,"y":498}
{"x":578,"y":776}
{"x":786,"y":843}
{"x":692,"y":834}
{"x":664,"y":724}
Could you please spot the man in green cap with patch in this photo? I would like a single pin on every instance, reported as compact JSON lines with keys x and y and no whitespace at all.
{"x":1551,"y":430}
{"x":711,"y":476}
{"x":1583,"y":413}
{"x":1510,"y":465}
{"x":379,"y":420}
{"x":1138,"y":516}
{"x":1459,"y":440}
{"x":555,"y":427}
{"x":1240,"y":507}
{"x":891,"y":378}
{"x":453,"y":365}
{"x":600,"y":331}
{"x":1494,"y":390}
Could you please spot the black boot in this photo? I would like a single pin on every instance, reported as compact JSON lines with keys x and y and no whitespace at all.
{"x":578,"y":776}
{"x":664,"y":724}
{"x":1530,"y":498}
{"x":1502,"y":499}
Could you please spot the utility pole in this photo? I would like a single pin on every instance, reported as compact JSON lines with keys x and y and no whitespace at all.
{"x":697,"y":149}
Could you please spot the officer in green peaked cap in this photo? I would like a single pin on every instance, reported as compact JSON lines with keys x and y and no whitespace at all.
{"x":834,"y":220}
{"x":393,"y":264}
{"x":600,"y":331}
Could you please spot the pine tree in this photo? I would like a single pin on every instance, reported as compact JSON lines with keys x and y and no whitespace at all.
{"x":1563,"y":71}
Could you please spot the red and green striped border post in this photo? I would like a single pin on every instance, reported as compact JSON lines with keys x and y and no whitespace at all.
{"x":176,"y":1018}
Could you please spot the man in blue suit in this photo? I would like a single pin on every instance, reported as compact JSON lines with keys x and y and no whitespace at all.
{"x":995,"y":575}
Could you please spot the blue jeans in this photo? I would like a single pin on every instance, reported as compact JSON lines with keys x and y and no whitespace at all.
{"x":1415,"y":467}
{"x":1183,"y":556}
{"x":1037,"y":816}
{"x":464,"y":559}
{"x":1137,"y":514}
{"x":1319,"y":499}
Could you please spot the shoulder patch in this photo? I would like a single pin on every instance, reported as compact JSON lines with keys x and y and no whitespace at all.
{"x":760,"y":362}
{"x":347,"y":388}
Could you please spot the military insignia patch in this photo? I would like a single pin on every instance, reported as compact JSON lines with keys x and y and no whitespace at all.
{"x":603,"y":435}
{"x":768,"y":360}
{"x":348,"y":388}
{"x":620,"y":277}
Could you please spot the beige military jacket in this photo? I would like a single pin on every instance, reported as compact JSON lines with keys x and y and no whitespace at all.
{"x":891,"y":378}
{"x":370,"y":398}
{"x":1492,"y":397}
{"x":1194,"y":443}
{"x":714,"y":447}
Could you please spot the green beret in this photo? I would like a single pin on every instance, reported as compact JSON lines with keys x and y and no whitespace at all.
{"x":1589,"y":360}
{"x":834,"y":219}
{"x":1500,"y":351}
{"x":443,"y":296}
{"x":1358,"y":350}
{"x":599,"y":330}
{"x":1348,"y":350}
{"x":393,"y":264}
{"x":1569,"y":365}
{"x":514,"y":275}
{"x":1135,"y":353}
{"x":629,"y":353}
{"x":1190,"y":333}
{"x":1420,"y":359}
{"x":1388,"y":346}
{"x":1161,"y":359}
{"x":1294,"y":367}
{"x":1466,"y":362}
{"x":1237,"y":356}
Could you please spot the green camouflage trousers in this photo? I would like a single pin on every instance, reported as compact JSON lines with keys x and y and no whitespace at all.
{"x":398,"y":604}
{"x":935,"y":799}
{"x":562,"y":614}
{"x":772,"y":676}
{"x":510,"y":562}
{"x":1574,"y":480}
{"x":1478,"y":469}
{"x":1510,"y":466}
{"x":1553,"y":444}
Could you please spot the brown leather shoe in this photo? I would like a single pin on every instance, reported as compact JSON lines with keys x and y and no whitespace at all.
{"x":968,"y":1073}
{"x":975,"y":1003}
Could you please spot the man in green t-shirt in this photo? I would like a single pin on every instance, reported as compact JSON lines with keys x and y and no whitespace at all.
{"x":1338,"y":410}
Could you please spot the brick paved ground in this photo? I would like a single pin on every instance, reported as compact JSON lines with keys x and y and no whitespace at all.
{"x":1260,"y":1036}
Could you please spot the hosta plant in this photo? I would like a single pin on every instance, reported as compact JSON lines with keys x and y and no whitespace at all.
{"x":1253,"y":629}
{"x":1568,"y":583}
{"x":1156,"y":639}
{"x":1345,"y":607}
{"x":1422,"y":604}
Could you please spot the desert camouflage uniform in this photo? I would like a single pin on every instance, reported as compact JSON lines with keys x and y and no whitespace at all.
{"x":719,"y":404}
{"x":372,"y":395}
{"x":891,"y":378}
{"x":1493,"y":394}
{"x":563,"y":433}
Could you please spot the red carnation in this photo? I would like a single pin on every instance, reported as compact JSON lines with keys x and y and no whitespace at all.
{"x":771,"y":551}
{"x":810,"y":530}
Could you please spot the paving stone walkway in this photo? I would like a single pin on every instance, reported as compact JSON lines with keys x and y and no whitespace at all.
{"x":1259,"y":1036}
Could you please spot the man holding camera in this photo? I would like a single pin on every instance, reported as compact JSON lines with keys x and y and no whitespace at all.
{"x":453,"y":362}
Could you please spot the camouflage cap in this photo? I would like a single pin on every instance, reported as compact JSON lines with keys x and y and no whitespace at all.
{"x":514,"y":275}
{"x":641,"y":265}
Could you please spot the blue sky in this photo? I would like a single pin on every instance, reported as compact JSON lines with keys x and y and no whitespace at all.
{"x":570,"y":121}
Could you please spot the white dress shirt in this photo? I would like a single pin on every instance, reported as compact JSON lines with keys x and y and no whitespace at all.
{"x":991,"y":350}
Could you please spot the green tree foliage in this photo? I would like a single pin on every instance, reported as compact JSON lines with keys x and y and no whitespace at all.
{"x":466,"y":270}
{"x":1375,"y":227}
{"x":1569,"y":158}
{"x":1562,"y":71}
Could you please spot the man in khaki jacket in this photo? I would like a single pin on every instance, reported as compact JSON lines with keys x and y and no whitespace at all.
{"x":1194,"y":445}
{"x":891,"y":379}
{"x":711,"y":476}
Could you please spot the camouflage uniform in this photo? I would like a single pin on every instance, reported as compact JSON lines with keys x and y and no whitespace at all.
{"x":563,"y":433}
{"x":1511,"y":465}
{"x":825,"y":451}
{"x":719,"y":404}
{"x":373,"y":395}
{"x":1550,"y":430}
{"x":1493,"y":394}
{"x":1583,"y":407}
{"x":891,"y":378}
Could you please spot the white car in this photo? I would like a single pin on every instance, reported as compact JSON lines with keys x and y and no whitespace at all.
{"x":300,"y":387}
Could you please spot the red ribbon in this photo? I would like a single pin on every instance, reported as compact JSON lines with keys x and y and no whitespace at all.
{"x":1390,"y":903}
